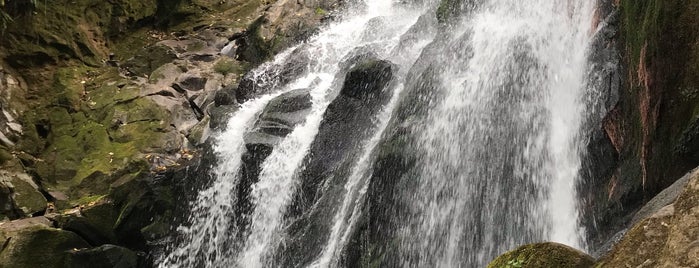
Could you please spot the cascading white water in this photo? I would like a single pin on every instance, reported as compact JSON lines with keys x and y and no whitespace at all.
{"x":212,"y":212}
{"x":207,"y":237}
{"x":499,"y":150}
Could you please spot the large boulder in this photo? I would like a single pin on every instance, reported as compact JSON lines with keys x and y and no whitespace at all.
{"x":33,"y":243}
{"x":94,"y":222}
{"x":543,"y":255}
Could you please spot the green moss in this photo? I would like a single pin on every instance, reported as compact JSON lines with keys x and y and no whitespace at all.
{"x":38,"y":246}
{"x":543,"y":255}
{"x":101,"y":132}
{"x":5,"y":155}
{"x":659,"y":42}
{"x":320,"y":11}
{"x":69,"y":87}
{"x":226,"y":66}
{"x":447,"y":9}
{"x":89,"y":199}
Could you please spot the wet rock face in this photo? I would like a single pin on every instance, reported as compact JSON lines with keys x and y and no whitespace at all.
{"x":285,"y":22}
{"x":273,"y":76}
{"x":347,"y":122}
{"x":650,"y":114}
{"x":279,"y":118}
{"x":367,"y":80}
{"x":603,"y":216}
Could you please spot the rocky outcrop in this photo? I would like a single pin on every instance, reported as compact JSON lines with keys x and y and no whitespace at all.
{"x":104,"y":106}
{"x":543,"y":255}
{"x":276,"y":121}
{"x":347,"y":122}
{"x":273,"y":75}
{"x":666,"y":238}
{"x":284,"y":22}
{"x":645,"y":143}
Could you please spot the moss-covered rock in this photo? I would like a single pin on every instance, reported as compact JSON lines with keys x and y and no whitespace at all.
{"x":94,"y":221}
{"x":659,"y":106}
{"x":543,"y":255}
{"x":19,"y":195}
{"x":64,"y":29}
{"x":652,"y":127}
{"x":148,"y":60}
{"x":32,"y":243}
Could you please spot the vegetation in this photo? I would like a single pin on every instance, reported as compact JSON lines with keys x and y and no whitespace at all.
{"x":226,"y":66}
{"x":8,"y":8}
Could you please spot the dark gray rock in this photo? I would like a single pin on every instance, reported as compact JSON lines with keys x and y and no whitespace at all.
{"x":279,"y":118}
{"x":192,"y":83}
{"x":225,"y":96}
{"x":219,"y":115}
{"x":276,"y":121}
{"x":105,"y":256}
{"x":149,"y":59}
{"x":347,"y":123}
{"x":19,"y":196}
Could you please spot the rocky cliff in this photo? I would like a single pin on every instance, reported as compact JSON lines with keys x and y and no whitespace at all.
{"x":105,"y":105}
{"x":647,"y":140}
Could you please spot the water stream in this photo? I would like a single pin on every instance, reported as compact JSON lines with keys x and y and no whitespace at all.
{"x":497,"y":142}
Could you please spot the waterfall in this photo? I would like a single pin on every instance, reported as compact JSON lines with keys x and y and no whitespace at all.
{"x":477,"y":150}
{"x":499,"y":147}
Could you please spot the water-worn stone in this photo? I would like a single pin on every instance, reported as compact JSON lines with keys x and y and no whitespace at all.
{"x":279,"y":118}
{"x":281,"y":115}
{"x":255,"y":83}
{"x":543,"y":255}
{"x":347,"y":123}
